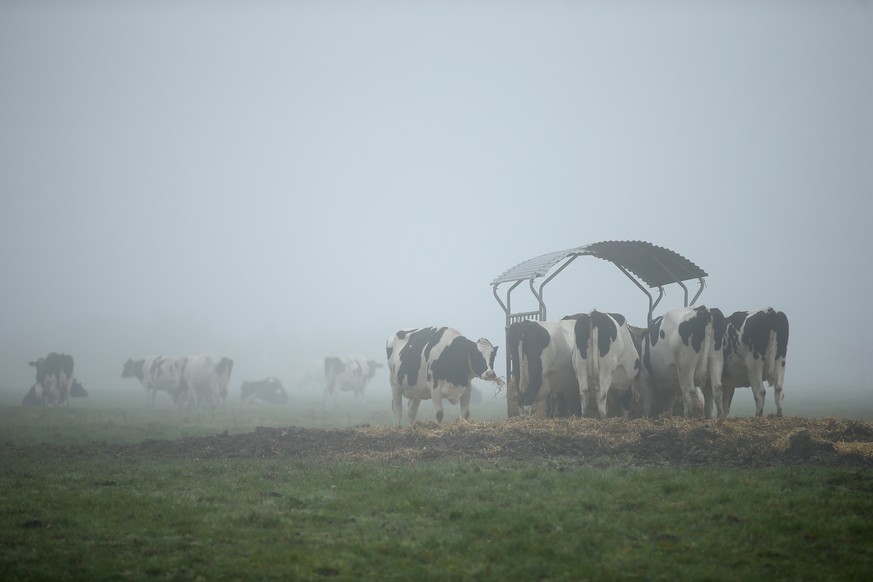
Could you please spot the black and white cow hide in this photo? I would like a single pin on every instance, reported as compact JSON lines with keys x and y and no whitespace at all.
{"x":433,"y":363}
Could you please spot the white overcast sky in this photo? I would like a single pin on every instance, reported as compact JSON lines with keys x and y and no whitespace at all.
{"x":279,"y":181}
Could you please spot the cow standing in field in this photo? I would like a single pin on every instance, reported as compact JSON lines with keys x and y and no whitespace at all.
{"x":206,"y":377}
{"x":583,"y":355}
{"x":54,"y":379}
{"x":604,"y":359}
{"x":541,"y":362}
{"x":269,"y":390}
{"x":433,"y":363}
{"x":348,"y":373}
{"x":681,"y":352}
{"x":159,"y":373}
{"x":756,"y":346}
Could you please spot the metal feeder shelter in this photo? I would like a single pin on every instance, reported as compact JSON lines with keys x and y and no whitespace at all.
{"x":648,"y":266}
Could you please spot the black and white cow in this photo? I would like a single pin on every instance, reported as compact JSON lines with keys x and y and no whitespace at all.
{"x":269,"y":390}
{"x":31,"y":398}
{"x":582,"y":355}
{"x":681,"y":352}
{"x":755,"y":350}
{"x":604,"y":359}
{"x":54,"y":379}
{"x":541,"y":363}
{"x":205,"y":378}
{"x":159,"y":373}
{"x":349,"y":373}
{"x":433,"y":363}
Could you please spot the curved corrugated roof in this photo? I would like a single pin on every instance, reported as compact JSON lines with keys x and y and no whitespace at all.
{"x":654,"y":265}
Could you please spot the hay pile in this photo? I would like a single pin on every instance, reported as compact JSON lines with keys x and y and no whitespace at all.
{"x":740,"y":442}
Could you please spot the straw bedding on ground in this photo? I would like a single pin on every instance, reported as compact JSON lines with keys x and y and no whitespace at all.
{"x":735,"y":442}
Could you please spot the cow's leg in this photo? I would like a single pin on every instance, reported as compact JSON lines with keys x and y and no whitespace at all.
{"x":584,"y":388}
{"x":777,"y":398}
{"x":778,"y":394}
{"x":686,"y":385}
{"x":63,"y":389}
{"x":396,"y":404}
{"x":465,"y":403}
{"x":602,"y":390}
{"x":437,"y":399}
{"x":727,"y":396}
{"x":759,"y":392}
{"x":712,"y":391}
{"x":707,"y":400}
{"x":412,"y":412}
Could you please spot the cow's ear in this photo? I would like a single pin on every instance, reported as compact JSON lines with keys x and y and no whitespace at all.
{"x":32,"y":364}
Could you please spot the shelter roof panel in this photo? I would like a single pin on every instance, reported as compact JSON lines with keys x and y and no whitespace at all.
{"x":654,"y":265}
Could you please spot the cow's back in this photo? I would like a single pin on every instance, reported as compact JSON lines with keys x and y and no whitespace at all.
{"x":408,"y":354}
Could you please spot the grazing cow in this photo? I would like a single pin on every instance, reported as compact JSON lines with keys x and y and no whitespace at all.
{"x":205,"y":379}
{"x":348,"y":374}
{"x":435,"y":363}
{"x":159,"y":373}
{"x":571,"y":359}
{"x":541,"y":362}
{"x":755,"y":350}
{"x":679,"y":355}
{"x":54,"y":378}
{"x":604,"y":358}
{"x":269,"y":390}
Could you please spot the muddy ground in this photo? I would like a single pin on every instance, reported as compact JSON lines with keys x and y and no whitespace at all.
{"x":741,"y":442}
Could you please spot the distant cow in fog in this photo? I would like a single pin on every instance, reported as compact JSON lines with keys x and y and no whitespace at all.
{"x":433,"y":363}
{"x":54,"y":379}
{"x":206,"y":377}
{"x":756,"y":345}
{"x":348,"y":373}
{"x":159,"y":373}
{"x":199,"y":380}
{"x":32,"y":399}
{"x":269,"y":390}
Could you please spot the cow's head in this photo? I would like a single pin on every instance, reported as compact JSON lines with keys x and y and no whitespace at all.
{"x":39,"y":364}
{"x":483,"y":364}
{"x":133,"y":369}
{"x":245,"y":390}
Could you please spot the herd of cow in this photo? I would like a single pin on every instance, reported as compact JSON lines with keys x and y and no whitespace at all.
{"x":190,"y":381}
{"x":592,"y":361}
{"x":588,"y":363}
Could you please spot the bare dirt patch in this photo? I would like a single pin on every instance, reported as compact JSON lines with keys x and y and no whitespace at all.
{"x":739,"y":442}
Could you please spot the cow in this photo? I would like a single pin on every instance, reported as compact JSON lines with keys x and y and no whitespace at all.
{"x":680,"y":353}
{"x":159,"y":373}
{"x":582,"y":355}
{"x":269,"y":390}
{"x":36,"y":397}
{"x":205,"y":379}
{"x":349,"y":373}
{"x":756,"y":346}
{"x":54,"y":378}
{"x":604,"y":359}
{"x":433,"y":363}
{"x":541,"y":363}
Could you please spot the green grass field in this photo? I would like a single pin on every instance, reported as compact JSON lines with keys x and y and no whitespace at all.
{"x":95,"y":516}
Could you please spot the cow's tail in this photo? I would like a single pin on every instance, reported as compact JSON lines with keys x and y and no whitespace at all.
{"x":770,"y":352}
{"x":701,"y":371}
{"x":594,"y":352}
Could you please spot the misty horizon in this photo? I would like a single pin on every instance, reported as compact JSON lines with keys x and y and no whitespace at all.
{"x":281,"y":182}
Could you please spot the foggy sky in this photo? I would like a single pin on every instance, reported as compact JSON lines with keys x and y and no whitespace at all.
{"x":280,"y":181}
